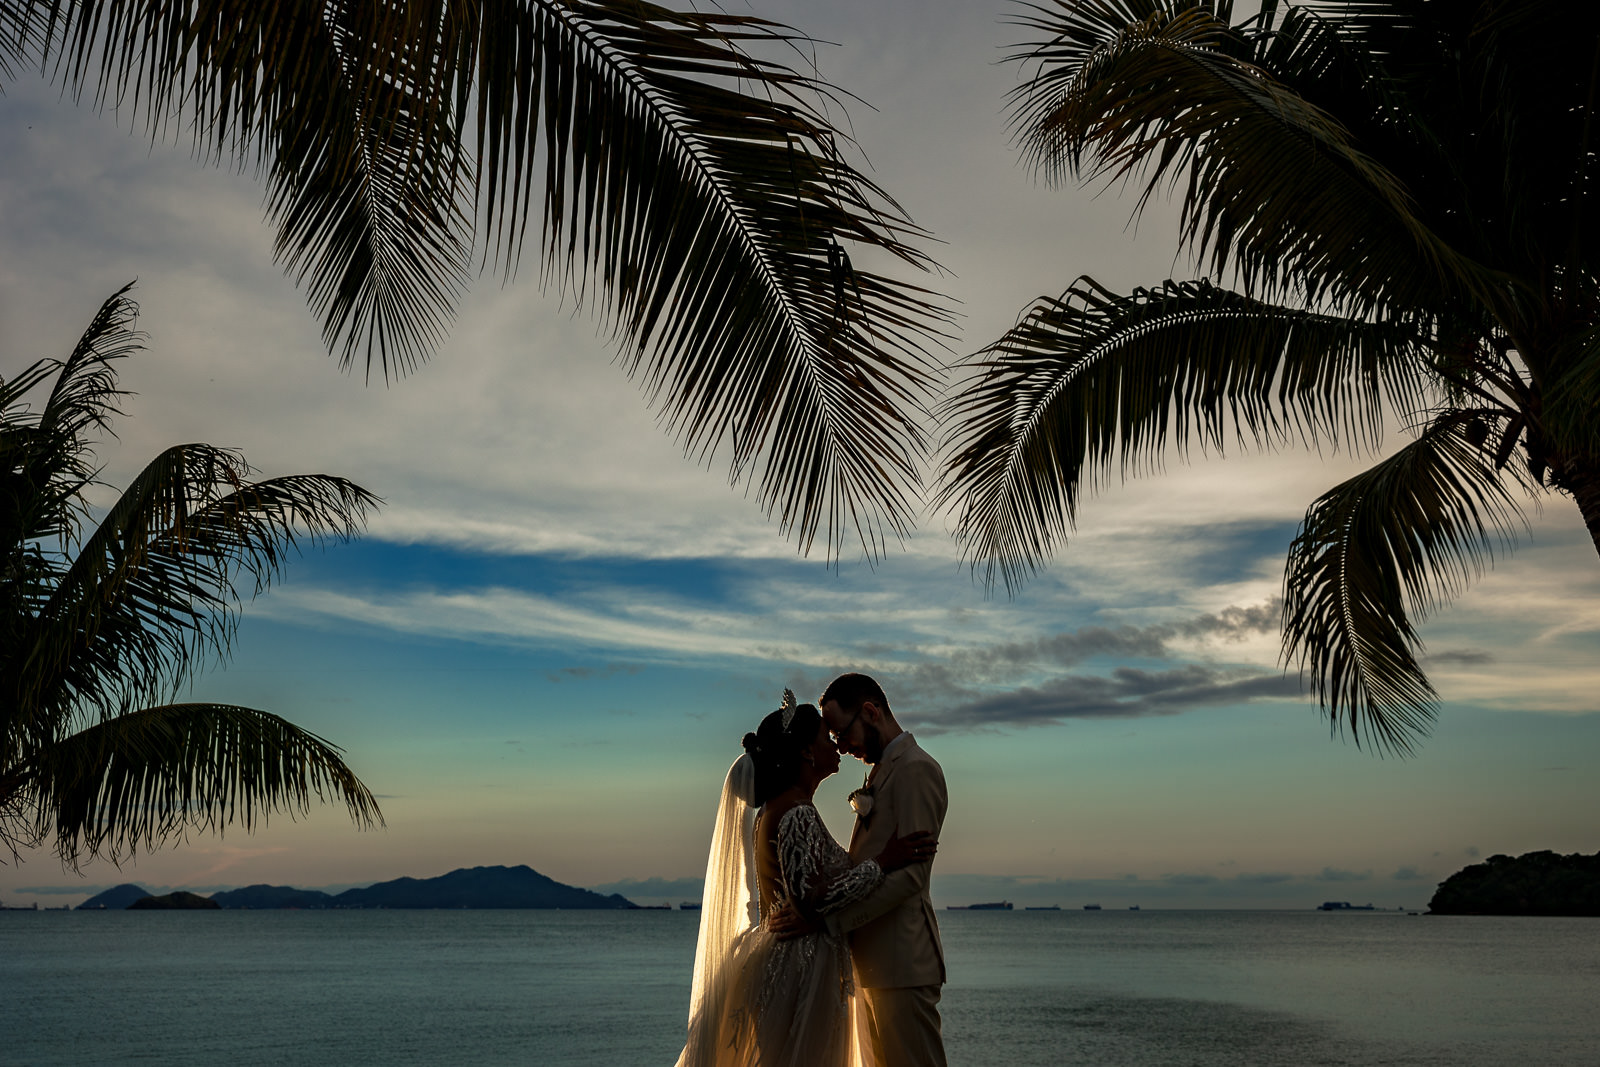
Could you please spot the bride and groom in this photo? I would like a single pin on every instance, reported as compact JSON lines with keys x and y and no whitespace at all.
{"x":811,"y":955}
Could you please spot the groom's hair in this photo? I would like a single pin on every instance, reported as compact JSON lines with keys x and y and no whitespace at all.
{"x":853,"y":690}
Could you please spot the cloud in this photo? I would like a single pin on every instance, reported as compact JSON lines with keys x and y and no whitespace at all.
{"x":1004,"y":661}
{"x":1124,"y":693}
{"x":781,"y":618}
{"x":1190,"y":879}
{"x":1334,"y":874}
{"x":584,"y":674}
{"x":514,"y":616}
{"x":1266,"y":878}
{"x":1408,"y":874}
{"x":1461,"y":657}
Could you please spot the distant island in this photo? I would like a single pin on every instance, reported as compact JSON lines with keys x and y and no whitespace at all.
{"x":1537,"y":883}
{"x":466,"y":887}
{"x":116,"y":898}
{"x":179,"y":901}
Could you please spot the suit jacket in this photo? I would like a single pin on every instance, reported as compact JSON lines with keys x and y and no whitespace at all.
{"x":894,"y":937}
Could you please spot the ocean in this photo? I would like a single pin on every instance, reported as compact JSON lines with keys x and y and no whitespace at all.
{"x":1110,"y":988}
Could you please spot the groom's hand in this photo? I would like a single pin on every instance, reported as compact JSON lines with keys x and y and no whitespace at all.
{"x":788,"y":923}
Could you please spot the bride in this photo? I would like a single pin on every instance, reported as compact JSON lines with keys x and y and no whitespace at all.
{"x":758,"y":1001}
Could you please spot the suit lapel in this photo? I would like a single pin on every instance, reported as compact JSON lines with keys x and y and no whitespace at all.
{"x":886,"y":770}
{"x":878,"y":780}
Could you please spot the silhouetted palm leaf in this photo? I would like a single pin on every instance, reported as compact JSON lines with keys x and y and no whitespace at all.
{"x":95,"y":626}
{"x":1390,"y":545}
{"x":142,"y":778}
{"x":1420,"y":170}
{"x":1274,"y":187}
{"x":1094,"y":379}
{"x":700,"y":188}
{"x":24,"y":28}
{"x":47,"y":458}
{"x":154,"y":585}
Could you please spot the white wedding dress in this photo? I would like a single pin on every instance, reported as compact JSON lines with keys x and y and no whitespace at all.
{"x":758,"y":1001}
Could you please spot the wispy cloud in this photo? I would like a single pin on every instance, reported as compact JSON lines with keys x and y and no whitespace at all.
{"x":1191,"y":879}
{"x":1008,"y":660}
{"x":958,"y":686}
{"x":1463,"y":657}
{"x":584,"y":674}
{"x":518,"y":617}
{"x":1124,"y":693}
{"x":1265,"y":878}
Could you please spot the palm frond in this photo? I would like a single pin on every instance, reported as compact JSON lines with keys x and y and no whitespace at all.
{"x":369,"y":189}
{"x":46,"y":460}
{"x":1572,"y":397}
{"x":24,"y":29}
{"x":47,"y":456}
{"x":351,"y":112}
{"x":1093,"y":378}
{"x":143,"y":778}
{"x":1276,"y":188}
{"x":713,"y":206}
{"x":152,"y":589}
{"x":702,"y":190}
{"x":85,"y":394}
{"x":1387,"y":547}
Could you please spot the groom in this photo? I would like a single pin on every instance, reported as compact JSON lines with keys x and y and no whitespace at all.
{"x":894,"y":937}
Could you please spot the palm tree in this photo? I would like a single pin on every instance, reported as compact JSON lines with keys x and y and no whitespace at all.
{"x":1398,"y":191}
{"x":690,"y":186}
{"x":96,"y":626}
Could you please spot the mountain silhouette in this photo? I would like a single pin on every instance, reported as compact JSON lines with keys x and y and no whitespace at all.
{"x":466,"y":887}
{"x":478,"y":887}
{"x":116,"y":898}
{"x":272,"y":896}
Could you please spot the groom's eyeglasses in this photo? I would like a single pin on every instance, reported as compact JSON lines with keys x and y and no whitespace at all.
{"x":837,"y":737}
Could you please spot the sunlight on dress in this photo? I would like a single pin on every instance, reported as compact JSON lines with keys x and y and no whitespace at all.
{"x":758,"y":1001}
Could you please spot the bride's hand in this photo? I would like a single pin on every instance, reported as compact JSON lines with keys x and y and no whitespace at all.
{"x":916,"y":847}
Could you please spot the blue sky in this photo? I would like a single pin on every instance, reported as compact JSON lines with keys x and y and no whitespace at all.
{"x":550,"y":641}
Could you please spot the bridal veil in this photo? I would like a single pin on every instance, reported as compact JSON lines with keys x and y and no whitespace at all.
{"x":728,"y":908}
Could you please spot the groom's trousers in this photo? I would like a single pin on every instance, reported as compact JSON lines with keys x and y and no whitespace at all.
{"x":903,"y":1026}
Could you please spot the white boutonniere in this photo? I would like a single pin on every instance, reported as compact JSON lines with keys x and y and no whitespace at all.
{"x":861,"y":801}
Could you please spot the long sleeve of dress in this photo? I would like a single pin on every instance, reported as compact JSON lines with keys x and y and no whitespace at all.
{"x":817,"y":873}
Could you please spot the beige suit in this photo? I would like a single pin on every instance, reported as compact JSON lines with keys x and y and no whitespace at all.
{"x":894,"y":936}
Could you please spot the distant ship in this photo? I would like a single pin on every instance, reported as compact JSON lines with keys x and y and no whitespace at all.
{"x":689,"y":905}
{"x":1091,"y":907}
{"x":652,"y":907}
{"x":1343,"y":905}
{"x":999,"y":905}
{"x":1133,"y":907}
{"x":1042,"y":907}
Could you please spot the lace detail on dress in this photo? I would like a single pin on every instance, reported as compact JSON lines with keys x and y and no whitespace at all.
{"x":788,"y":1003}
{"x":818,"y":877}
{"x":817,"y":873}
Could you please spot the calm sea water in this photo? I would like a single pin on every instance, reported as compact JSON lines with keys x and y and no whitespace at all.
{"x":1113,"y":989}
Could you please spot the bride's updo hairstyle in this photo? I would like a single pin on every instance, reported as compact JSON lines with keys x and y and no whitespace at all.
{"x":776,"y":747}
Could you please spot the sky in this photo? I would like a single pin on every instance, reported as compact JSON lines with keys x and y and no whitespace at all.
{"x":551,"y":638}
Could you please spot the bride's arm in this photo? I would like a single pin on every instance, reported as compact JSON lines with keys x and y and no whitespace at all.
{"x":922,"y":807}
{"x":809,"y":858}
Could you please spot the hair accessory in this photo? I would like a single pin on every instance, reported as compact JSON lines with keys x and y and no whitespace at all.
{"x":788,"y":707}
